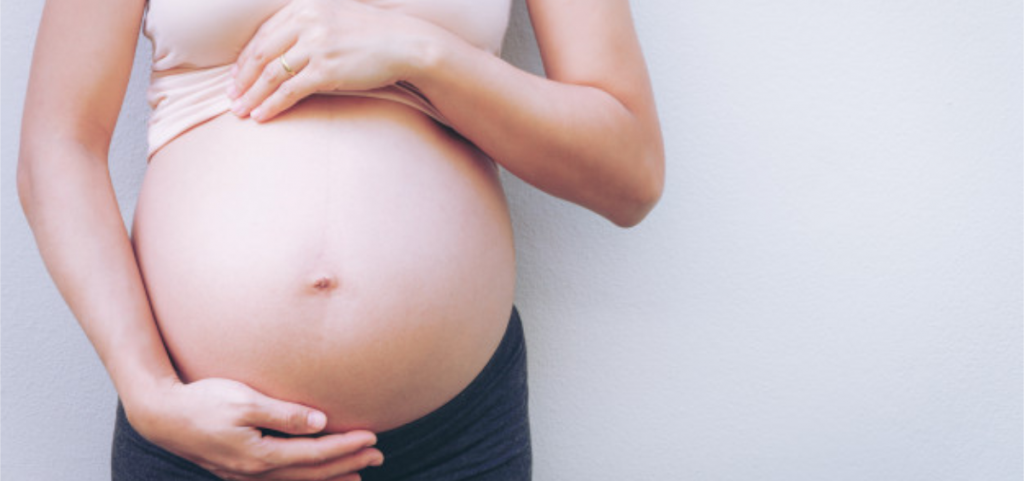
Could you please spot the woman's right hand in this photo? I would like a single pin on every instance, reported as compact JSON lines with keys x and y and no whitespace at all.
{"x":216,"y":423}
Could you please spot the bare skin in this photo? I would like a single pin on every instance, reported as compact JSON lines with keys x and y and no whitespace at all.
{"x":588,"y":134}
{"x":360,"y":258}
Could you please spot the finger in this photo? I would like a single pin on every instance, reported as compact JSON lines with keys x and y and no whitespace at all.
{"x":283,"y":416}
{"x":282,"y":452}
{"x":265,"y":51}
{"x":305,"y":83}
{"x":259,"y":39}
{"x":273,"y":75}
{"x":341,"y":468}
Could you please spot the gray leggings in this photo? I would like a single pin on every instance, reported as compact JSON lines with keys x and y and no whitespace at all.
{"x":483,"y":434}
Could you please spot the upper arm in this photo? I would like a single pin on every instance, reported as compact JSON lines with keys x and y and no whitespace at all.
{"x":594,"y":43}
{"x":80,"y":69}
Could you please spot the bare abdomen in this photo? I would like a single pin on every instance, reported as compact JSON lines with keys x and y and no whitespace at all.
{"x":350,"y":255}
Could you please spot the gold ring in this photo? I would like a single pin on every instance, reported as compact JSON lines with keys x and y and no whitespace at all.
{"x":284,"y":64}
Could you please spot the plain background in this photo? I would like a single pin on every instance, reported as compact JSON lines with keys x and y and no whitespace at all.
{"x":830,"y":288}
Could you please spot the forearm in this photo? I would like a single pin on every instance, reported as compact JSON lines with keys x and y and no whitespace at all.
{"x":69,"y":201}
{"x":575,"y":142}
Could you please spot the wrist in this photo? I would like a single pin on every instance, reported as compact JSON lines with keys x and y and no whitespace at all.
{"x":145,"y":399}
{"x":428,"y":54}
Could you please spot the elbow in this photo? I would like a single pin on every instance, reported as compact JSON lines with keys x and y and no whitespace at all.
{"x":635,"y":210}
{"x":28,"y":176}
{"x":45,"y":160}
{"x":35,"y":170}
{"x":640,"y":199}
{"x":31,"y":151}
{"x":24,"y":182}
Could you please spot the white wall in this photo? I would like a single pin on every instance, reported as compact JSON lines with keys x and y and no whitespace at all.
{"x":831,"y":287}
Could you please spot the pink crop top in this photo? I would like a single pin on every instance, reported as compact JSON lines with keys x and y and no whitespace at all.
{"x":195,"y":43}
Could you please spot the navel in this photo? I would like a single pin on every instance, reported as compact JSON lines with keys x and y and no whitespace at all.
{"x":324,"y":283}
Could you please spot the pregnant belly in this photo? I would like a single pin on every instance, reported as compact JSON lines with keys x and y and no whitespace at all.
{"x":349,"y":255}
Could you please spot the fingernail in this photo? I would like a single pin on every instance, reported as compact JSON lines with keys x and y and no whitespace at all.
{"x":232,"y":91}
{"x":236,"y":107}
{"x":257,"y":113}
{"x":377,"y":462}
{"x":316,"y":420}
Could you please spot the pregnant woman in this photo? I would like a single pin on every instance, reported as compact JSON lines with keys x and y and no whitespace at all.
{"x":319,"y":279}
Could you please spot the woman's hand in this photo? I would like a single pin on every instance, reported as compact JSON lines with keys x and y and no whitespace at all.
{"x":216,"y":423}
{"x":329,"y":45}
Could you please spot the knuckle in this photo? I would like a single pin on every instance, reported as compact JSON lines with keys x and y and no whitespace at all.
{"x":270,"y":71}
{"x":247,"y":401}
{"x":316,"y":35}
{"x":309,"y":10}
{"x":267,"y":456}
{"x":297,"y":419}
{"x":318,"y":458}
{"x":238,"y":401}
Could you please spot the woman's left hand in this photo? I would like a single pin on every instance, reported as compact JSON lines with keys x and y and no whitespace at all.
{"x":329,"y":45}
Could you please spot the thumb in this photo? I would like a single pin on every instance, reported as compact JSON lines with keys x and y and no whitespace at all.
{"x":285,"y":417}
